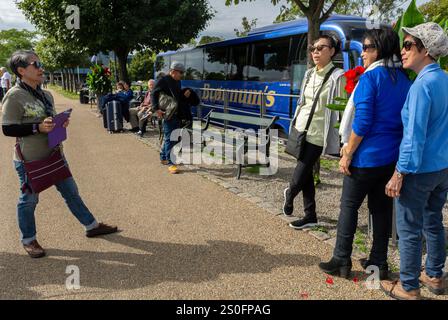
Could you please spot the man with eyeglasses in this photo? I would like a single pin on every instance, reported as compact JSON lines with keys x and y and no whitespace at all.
{"x":420,"y":181}
{"x":171,"y":86}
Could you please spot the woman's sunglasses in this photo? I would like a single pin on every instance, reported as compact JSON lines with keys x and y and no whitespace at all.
{"x":407,"y":45}
{"x":319,"y":47}
{"x":368,"y":46}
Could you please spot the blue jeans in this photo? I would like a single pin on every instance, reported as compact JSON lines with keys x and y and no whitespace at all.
{"x":419,"y":212}
{"x":28,"y":202}
{"x":168,"y":127}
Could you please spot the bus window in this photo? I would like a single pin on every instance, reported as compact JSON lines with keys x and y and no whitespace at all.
{"x":162,"y":66}
{"x":194,"y":65}
{"x":269,"y":61}
{"x":299,"y":65}
{"x":215,"y":64}
{"x":298,"y":72}
{"x":238,"y":63}
{"x":178,"y":57}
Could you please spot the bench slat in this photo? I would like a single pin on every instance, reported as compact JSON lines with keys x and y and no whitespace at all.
{"x":241,"y":119}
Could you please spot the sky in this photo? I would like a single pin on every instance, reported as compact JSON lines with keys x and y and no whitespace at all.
{"x":223,"y":24}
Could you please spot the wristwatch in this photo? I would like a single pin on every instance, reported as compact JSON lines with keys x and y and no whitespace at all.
{"x":399,"y":174}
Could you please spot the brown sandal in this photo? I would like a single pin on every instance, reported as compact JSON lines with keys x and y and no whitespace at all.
{"x":394,"y":290}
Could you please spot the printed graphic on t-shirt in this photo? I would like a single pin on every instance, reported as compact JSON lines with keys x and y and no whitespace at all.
{"x":34,"y":111}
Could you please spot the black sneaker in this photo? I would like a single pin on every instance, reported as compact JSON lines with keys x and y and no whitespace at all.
{"x":384,"y":268}
{"x":288,"y":208}
{"x":304,"y":223}
{"x":337,"y":268}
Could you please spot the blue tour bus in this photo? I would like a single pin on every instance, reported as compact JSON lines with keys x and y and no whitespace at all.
{"x":270,"y":60}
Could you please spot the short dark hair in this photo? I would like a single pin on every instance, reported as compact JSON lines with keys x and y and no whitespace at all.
{"x":387,"y":43}
{"x":20,"y":59}
{"x":334,"y":43}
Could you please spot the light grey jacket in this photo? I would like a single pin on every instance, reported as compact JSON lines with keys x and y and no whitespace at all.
{"x":331,"y":134}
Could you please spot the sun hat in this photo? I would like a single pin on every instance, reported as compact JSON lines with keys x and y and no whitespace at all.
{"x":433,"y":38}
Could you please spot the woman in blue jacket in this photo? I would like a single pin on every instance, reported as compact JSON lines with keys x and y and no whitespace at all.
{"x":369,"y":158}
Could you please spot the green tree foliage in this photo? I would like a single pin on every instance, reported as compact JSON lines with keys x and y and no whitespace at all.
{"x":142,"y":66}
{"x":12,"y":40}
{"x":385,"y":10}
{"x":247,"y":27}
{"x":209,"y":39}
{"x":435,"y":9}
{"x":388,"y":10}
{"x":121,"y":26}
{"x":411,"y":17}
{"x":316,"y":12}
{"x":204,"y":40}
{"x":55,"y":55}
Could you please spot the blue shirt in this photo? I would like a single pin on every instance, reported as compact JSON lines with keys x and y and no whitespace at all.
{"x":378,"y":104}
{"x":425,"y":120}
{"x":124,"y":96}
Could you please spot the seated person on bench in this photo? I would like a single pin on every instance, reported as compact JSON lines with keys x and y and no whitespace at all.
{"x":139,"y":116}
{"x":124,"y":95}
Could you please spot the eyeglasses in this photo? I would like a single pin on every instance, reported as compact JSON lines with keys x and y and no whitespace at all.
{"x":407,"y":45}
{"x":319,"y":47}
{"x":37,"y":64}
{"x":368,"y":46}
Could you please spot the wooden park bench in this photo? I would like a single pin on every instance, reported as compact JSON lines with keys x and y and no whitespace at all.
{"x":263,"y":123}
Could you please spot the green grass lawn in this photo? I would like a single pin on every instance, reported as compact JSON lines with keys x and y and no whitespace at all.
{"x":67,"y":94}
{"x":329,"y":164}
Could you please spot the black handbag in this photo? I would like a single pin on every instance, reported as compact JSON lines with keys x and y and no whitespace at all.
{"x":296,"y":140}
{"x":168,"y":104}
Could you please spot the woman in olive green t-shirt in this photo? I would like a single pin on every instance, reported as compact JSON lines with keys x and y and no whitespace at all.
{"x":28,"y":116}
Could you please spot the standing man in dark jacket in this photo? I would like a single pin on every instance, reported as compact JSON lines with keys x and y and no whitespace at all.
{"x":169,"y":85}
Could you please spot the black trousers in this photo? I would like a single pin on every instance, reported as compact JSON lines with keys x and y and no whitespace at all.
{"x":370,"y":182}
{"x":302,"y":179}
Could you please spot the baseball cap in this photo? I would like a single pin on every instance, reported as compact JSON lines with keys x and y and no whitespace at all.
{"x":175,"y":65}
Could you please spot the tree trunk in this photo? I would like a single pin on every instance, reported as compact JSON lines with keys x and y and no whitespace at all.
{"x":64,"y":79}
{"x":122,"y":55}
{"x":72,"y":75}
{"x":72,"y":82}
{"x":313,"y":34}
{"x":69,"y":80}
{"x":52,"y":78}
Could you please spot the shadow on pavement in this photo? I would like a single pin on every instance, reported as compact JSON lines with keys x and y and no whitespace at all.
{"x":159,"y":262}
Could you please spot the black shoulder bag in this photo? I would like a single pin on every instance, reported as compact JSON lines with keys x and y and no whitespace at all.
{"x":296,"y":139}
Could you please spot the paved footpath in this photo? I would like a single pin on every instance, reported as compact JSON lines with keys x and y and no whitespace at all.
{"x":183,"y":237}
